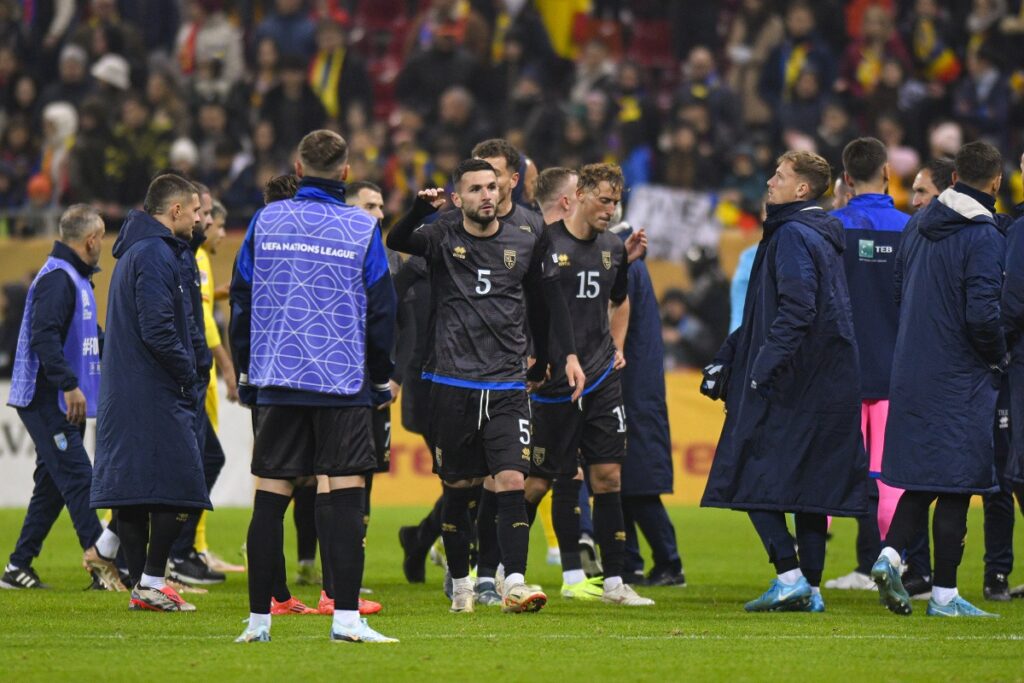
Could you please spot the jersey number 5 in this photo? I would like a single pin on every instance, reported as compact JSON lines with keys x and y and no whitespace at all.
{"x":483,"y":285}
{"x":590,"y":285}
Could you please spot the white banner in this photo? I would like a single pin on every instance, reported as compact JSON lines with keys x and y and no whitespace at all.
{"x":234,"y":487}
{"x":674,"y":219}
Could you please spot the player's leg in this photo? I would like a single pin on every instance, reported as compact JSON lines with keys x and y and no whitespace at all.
{"x":999,"y":512}
{"x":304,"y":516}
{"x":651,"y":516}
{"x":506,"y":443}
{"x":908,"y":522}
{"x":949,"y":530}
{"x":789,"y":590}
{"x":486,"y":531}
{"x":547,"y":523}
{"x":457,"y":496}
{"x":811,"y":534}
{"x":43,"y":510}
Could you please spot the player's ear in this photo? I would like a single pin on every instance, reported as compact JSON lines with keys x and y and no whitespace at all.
{"x":344,"y":172}
{"x":515,"y":180}
{"x":456,"y":200}
{"x":298,"y":167}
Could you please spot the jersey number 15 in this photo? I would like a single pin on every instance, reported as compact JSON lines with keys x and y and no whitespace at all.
{"x":590,"y":284}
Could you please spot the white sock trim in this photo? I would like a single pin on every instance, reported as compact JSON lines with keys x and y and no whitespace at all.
{"x":890,"y":554}
{"x":148,"y":581}
{"x":791,"y":577}
{"x":258,"y":621}
{"x":345,"y":619}
{"x":514,"y":579}
{"x":573,"y":576}
{"x":108,"y":544}
{"x":944,"y":596}
{"x":611,"y":583}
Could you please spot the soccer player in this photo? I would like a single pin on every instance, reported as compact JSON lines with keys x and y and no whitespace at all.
{"x":55,"y":387}
{"x":950,"y":343}
{"x":873,"y":230}
{"x":505,"y":159}
{"x":590,"y":266}
{"x":480,"y":418}
{"x":789,"y":379}
{"x":317,"y":346}
{"x":148,"y":464}
{"x":556,"y":193}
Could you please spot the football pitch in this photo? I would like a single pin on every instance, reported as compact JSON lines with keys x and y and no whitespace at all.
{"x":694,"y":633}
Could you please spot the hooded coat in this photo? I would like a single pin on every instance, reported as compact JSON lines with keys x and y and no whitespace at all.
{"x":942,"y":402}
{"x":1012,"y":303}
{"x":791,"y":440}
{"x":146,"y":450}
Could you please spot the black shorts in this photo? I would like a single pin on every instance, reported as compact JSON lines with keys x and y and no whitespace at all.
{"x":590,"y":431}
{"x":479,"y":432}
{"x":300,"y":441}
{"x":382,"y":438}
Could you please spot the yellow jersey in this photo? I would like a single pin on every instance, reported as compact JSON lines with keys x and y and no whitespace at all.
{"x":206,"y":288}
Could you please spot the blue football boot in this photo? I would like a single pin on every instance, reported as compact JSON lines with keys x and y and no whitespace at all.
{"x":957,"y":607}
{"x":782,"y":596}
{"x":890,"y":587}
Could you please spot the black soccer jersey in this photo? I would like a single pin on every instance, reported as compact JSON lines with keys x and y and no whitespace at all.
{"x":591,"y":273}
{"x":477,"y":296}
{"x":522,"y":217}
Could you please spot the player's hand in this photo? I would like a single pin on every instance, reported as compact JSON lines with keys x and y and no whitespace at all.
{"x":232,"y":390}
{"x":435,"y":196}
{"x":636,"y":245}
{"x":715,"y":382}
{"x":574,"y":373}
{"x":75,"y":401}
{"x":394,"y":387}
{"x":620,"y":360}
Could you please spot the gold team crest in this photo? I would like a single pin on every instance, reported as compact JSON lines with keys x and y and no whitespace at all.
{"x":510,"y":258}
{"x":606,"y":260}
{"x":459,"y":252}
{"x":538,"y":455}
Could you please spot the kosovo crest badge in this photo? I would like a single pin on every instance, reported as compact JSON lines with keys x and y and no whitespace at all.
{"x":510,"y":258}
{"x":606,"y":260}
{"x":437,"y":456}
{"x":61,"y":441}
{"x":538,"y":455}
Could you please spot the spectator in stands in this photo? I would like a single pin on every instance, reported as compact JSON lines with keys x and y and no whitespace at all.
{"x":338,"y":75}
{"x":835,"y":130}
{"x":754,"y":31}
{"x":60,"y":123}
{"x":291,"y":29}
{"x":104,"y":32}
{"x":166,"y":102}
{"x":112,"y":78}
{"x":265,"y":74}
{"x":981,"y":101}
{"x":210,"y":37}
{"x":458,"y":117}
{"x":701,"y":83}
{"x":803,"y":110}
{"x":87,"y":170}
{"x":927,"y":31}
{"x":470,"y":28}
{"x":428,"y":72}
{"x":48,"y":25}
{"x":73,"y":85}
{"x":292,"y":107}
{"x":860,"y":70}
{"x":20,"y":154}
{"x":137,"y":150}
{"x":25,"y":102}
{"x":801,"y":46}
{"x":594,"y":71}
{"x":745,"y":182}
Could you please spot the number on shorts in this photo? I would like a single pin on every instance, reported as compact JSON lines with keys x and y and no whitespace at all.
{"x":620,"y":412}
{"x":524,"y":432}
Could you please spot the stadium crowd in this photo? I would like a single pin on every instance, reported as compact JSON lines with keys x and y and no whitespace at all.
{"x":534,"y":283}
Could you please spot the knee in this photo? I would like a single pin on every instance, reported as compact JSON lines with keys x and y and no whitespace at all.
{"x":606,"y":479}
{"x":509,"y":480}
{"x":535,"y":488}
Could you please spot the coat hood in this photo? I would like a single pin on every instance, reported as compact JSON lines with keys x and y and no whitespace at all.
{"x":952,"y":211}
{"x":810,"y":215}
{"x":139,"y":226}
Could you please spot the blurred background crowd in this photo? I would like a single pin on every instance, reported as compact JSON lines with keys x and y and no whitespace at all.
{"x":98,"y":95}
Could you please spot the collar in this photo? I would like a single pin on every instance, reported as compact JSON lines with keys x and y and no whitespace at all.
{"x":983,"y":198}
{"x":66,"y":253}
{"x":321,"y":189}
{"x":872,"y":200}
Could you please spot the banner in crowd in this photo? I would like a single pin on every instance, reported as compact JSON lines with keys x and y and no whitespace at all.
{"x":674,"y":219}
{"x":695,"y":422}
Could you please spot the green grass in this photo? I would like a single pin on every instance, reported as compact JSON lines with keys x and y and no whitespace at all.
{"x":694,"y":633}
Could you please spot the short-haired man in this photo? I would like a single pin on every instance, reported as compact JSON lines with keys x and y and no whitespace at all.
{"x":950,"y":343}
{"x":791,"y":386}
{"x":481,"y":271}
{"x":556,"y":193}
{"x":280,"y":187}
{"x":148,"y":465}
{"x":874,"y":227}
{"x":506,"y":159}
{"x":313,"y":312}
{"x":590,"y":266}
{"x":55,"y":387}
{"x":933,"y":179}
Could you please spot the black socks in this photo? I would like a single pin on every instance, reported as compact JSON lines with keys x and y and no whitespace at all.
{"x":133,"y":530}
{"x":455,"y":531}
{"x":488,"y":546}
{"x":323,"y":530}
{"x":565,"y":517}
{"x":344,"y":545}
{"x":164,"y":528}
{"x":513,"y":531}
{"x":265,"y":547}
{"x":305,"y":521}
{"x":610,"y":532}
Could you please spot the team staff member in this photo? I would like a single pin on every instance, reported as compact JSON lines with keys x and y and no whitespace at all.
{"x":148,"y":464}
{"x":791,"y":385}
{"x":950,"y":344}
{"x":316,"y":347}
{"x":55,"y":386}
